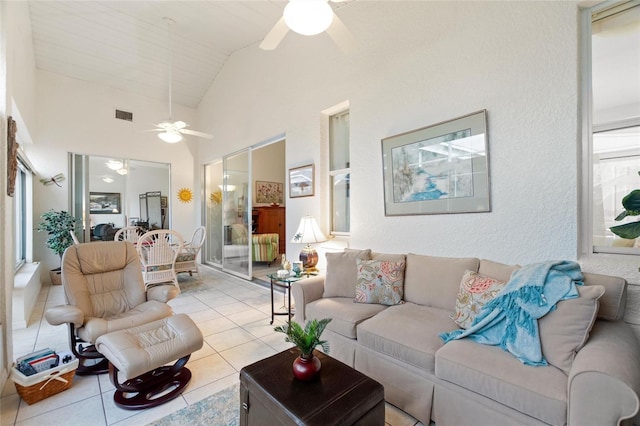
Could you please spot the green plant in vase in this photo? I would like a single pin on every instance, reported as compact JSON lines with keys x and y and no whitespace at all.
{"x":631,"y":204}
{"x":307,"y":365}
{"x":57,"y":224}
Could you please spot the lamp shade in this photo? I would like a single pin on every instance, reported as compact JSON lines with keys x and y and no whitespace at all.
{"x":308,"y":17}
{"x":308,"y":232}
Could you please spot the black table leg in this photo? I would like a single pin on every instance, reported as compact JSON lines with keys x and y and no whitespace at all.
{"x":272,"y":310}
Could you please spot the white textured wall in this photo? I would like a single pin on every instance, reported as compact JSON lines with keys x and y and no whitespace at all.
{"x":76,"y":116}
{"x":420,"y":63}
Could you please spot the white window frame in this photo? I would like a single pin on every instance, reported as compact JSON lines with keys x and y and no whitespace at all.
{"x":585,"y":216}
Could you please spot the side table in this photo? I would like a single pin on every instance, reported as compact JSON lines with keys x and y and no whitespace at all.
{"x":282,"y":282}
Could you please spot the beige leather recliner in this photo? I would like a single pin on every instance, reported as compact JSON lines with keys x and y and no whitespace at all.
{"x":105,"y":292}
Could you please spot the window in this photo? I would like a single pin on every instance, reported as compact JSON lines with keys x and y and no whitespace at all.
{"x":339,"y":173}
{"x":614,"y":114}
{"x":21,"y":214}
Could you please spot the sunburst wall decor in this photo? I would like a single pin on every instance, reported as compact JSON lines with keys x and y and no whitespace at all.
{"x":185,"y":195}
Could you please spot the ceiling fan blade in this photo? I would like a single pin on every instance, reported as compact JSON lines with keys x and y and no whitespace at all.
{"x":341,"y":36}
{"x":275,"y":36}
{"x":194,"y":133}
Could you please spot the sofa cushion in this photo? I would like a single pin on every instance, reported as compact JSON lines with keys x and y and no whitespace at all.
{"x":388,"y":256}
{"x":434,"y":281}
{"x":565,"y":330}
{"x":407,"y":332}
{"x":540,"y":392}
{"x":344,"y":313}
{"x":475,"y":291}
{"x":499,"y":271}
{"x":379,"y":281}
{"x":612,"y":303}
{"x":342,"y":274}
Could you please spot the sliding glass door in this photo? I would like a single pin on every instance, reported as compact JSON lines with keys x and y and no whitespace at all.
{"x":236,"y":214}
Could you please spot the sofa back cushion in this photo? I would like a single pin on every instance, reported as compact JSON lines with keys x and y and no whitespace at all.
{"x":499,"y":271}
{"x":342,"y":273}
{"x":614,"y":299}
{"x":434,"y":281}
{"x":565,"y":330}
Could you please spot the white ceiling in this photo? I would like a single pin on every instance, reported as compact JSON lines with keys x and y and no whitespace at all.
{"x":124,"y":44}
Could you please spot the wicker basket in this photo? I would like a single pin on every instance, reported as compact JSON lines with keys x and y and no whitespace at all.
{"x":42,"y":385}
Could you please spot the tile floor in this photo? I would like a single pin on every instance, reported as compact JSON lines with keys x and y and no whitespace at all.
{"x":233,"y":316}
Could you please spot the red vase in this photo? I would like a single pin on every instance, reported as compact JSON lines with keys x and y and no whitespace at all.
{"x":306,"y":368}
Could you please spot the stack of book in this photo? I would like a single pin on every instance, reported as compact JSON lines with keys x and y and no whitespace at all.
{"x":41,"y":360}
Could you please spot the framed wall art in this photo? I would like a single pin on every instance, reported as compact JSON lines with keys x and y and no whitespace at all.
{"x":12,"y":156}
{"x":269,"y":192}
{"x":442,"y":168}
{"x":104,"y":203}
{"x":301,"y":181}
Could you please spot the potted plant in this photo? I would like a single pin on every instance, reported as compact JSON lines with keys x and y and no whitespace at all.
{"x":306,"y":366}
{"x":631,"y":204}
{"x":57,"y":224}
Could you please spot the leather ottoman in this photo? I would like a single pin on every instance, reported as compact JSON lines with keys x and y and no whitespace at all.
{"x":270,"y":395}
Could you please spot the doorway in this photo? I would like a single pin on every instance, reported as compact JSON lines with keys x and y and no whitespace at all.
{"x":239,"y":214}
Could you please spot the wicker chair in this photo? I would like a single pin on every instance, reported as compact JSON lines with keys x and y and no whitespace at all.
{"x":128,"y":233}
{"x":187,"y":260}
{"x":158,"y":251}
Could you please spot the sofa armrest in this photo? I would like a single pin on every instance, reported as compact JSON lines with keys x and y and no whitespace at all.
{"x":304,"y":292}
{"x":162,"y":293}
{"x":604,"y":381}
{"x":64,"y":314}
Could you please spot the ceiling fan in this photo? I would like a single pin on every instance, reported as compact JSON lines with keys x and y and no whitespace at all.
{"x":172,"y":131}
{"x":309,"y":17}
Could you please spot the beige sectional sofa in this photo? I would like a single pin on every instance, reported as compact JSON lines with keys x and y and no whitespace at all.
{"x":467,"y":383}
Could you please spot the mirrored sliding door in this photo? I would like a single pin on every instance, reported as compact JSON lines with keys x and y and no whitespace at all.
{"x":236,"y":214}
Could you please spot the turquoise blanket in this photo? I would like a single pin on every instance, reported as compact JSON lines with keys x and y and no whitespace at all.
{"x":510,"y":320}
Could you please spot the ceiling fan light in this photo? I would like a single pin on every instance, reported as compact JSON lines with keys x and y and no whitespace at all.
{"x":170,"y":137}
{"x":308,"y":17}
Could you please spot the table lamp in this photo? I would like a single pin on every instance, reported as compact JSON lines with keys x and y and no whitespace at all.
{"x":308,"y":233}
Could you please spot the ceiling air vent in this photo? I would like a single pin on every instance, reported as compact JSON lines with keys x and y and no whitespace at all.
{"x":124,"y":115}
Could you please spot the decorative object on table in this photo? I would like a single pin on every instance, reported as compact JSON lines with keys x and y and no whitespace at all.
{"x":309,"y":233}
{"x":57,"y":224}
{"x":307,"y":365}
{"x":185,"y":195}
{"x":104,"y":203}
{"x":442,"y":168}
{"x":301,"y":181}
{"x":631,"y":204}
{"x":12,"y":156}
{"x":297,"y":268}
{"x":285,"y":264}
{"x":269,"y":192}
{"x":53,"y":180}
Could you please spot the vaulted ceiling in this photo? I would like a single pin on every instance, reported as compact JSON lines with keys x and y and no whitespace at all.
{"x":127,"y":45}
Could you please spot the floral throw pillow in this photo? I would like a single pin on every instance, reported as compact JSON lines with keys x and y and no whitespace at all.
{"x":380,"y":281}
{"x":475,"y":291}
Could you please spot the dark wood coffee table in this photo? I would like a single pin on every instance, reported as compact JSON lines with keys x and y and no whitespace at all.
{"x":270,"y":395}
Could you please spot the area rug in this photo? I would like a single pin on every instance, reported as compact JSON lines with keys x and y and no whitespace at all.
{"x":219,"y":409}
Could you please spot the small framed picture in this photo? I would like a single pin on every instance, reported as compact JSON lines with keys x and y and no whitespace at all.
{"x":301,"y":181}
{"x":164,"y":202}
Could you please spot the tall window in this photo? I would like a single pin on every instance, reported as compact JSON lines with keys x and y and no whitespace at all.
{"x":339,"y":173}
{"x":20,"y":215}
{"x":615,"y":88}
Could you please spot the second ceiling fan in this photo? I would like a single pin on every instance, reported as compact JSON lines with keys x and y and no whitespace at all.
{"x":172,"y":131}
{"x":309,"y":17}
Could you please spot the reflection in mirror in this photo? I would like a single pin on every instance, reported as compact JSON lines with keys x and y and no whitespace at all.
{"x":122,"y":181}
